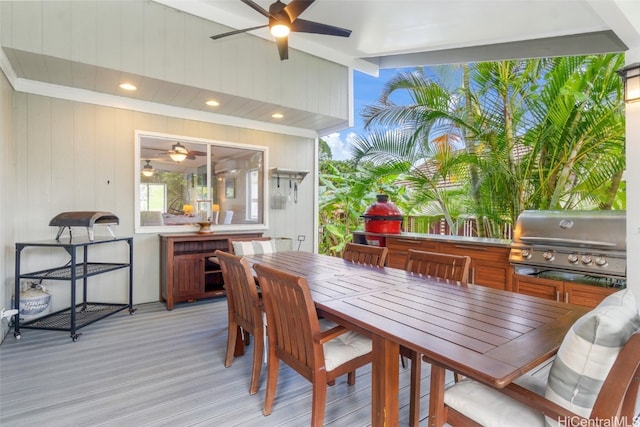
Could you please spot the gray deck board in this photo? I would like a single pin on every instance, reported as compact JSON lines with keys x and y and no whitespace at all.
{"x":162,"y":368}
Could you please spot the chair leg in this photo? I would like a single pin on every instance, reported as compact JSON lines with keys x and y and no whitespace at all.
{"x":272,"y":382}
{"x":318,"y":402}
{"x":414,"y":393}
{"x":257,"y":361}
{"x":351,"y":377}
{"x":232,"y":335}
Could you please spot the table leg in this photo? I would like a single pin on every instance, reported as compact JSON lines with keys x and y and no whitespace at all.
{"x":385,"y":383}
{"x":436,"y":396}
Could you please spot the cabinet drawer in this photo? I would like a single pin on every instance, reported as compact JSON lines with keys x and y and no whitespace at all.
{"x":403,"y":244}
{"x":536,"y":287}
{"x":477,"y":252}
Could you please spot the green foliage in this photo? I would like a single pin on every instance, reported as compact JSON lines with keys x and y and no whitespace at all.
{"x":512,"y":135}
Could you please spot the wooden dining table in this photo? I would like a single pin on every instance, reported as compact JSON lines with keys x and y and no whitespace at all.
{"x":490,"y":335}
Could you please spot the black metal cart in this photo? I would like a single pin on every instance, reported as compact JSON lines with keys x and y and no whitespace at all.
{"x":77,"y":315}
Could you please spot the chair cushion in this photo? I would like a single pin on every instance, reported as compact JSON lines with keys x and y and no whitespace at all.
{"x":344,"y":348}
{"x":253,"y":247}
{"x":491,"y":408}
{"x":589,"y":350}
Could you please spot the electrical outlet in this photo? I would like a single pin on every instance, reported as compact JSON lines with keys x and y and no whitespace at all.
{"x":301,"y":237}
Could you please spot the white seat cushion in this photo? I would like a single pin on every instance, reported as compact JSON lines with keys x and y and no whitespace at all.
{"x":589,"y":350}
{"x":490,"y":407}
{"x":345,"y":347}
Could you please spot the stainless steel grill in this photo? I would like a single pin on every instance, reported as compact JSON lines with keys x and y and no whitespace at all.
{"x":86,"y":219}
{"x":584,"y":246}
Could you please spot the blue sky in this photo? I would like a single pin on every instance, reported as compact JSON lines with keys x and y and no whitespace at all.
{"x":366,"y":90}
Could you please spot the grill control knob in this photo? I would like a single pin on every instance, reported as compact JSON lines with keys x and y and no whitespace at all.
{"x":525,"y":253}
{"x":548,"y":256}
{"x":586,"y":259}
{"x":601,"y":261}
{"x":573,"y":258}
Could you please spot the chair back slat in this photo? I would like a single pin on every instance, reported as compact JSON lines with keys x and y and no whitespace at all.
{"x":365,"y":254}
{"x":292,"y":319}
{"x":242,"y":293}
{"x":445,"y":266}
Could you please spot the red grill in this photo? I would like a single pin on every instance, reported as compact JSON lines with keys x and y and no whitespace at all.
{"x":382,"y":217}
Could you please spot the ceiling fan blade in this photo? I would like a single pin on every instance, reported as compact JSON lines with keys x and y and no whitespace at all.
{"x":234,"y":32}
{"x":256,"y":7}
{"x":296,"y":7}
{"x":283,"y":47}
{"x":303,"y":26}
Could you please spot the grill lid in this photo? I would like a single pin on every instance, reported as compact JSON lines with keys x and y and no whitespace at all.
{"x":603,"y":230}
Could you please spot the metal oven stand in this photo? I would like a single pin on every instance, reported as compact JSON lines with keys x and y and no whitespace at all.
{"x":77,"y":315}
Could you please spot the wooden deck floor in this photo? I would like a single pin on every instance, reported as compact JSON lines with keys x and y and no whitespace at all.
{"x":162,"y":368}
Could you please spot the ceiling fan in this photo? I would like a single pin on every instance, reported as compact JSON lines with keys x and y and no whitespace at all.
{"x":179,"y":152}
{"x":283,"y":19}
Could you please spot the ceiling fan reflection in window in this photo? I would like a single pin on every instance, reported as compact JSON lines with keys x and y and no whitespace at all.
{"x":179,"y":152}
{"x":283,"y":19}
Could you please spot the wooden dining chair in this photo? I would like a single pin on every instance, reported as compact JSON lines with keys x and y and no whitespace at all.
{"x":365,"y":254}
{"x":245,"y":311}
{"x":296,"y":339}
{"x":443,"y":266}
{"x":594,"y":379}
{"x":434,"y":264}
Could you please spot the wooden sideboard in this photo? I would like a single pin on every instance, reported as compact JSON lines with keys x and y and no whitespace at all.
{"x":186,"y":273}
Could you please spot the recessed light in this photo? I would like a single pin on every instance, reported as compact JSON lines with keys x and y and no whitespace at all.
{"x":212,"y":103}
{"x":277,"y":115}
{"x":128,"y":86}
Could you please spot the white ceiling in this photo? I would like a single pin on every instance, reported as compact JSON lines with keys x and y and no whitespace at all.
{"x":385,"y":34}
{"x":399,"y":33}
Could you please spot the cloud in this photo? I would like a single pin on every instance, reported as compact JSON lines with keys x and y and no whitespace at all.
{"x":340,"y":145}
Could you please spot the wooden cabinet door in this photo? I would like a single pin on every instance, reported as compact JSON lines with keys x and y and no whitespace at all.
{"x":586,"y":295}
{"x":489,"y":265}
{"x":537,"y":287}
{"x":188,"y":276}
{"x":398,"y":249}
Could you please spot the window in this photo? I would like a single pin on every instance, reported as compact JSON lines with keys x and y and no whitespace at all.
{"x":181,"y":181}
{"x":253,"y":194}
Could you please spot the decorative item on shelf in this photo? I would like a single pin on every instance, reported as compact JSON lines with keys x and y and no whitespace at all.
{"x":631,"y":78}
{"x":147,"y":169}
{"x":205,"y":227}
{"x":187,"y":209}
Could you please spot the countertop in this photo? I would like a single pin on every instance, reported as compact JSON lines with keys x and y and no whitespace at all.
{"x":486,"y":241}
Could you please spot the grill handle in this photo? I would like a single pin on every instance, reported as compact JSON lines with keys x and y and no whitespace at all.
{"x":559,"y":240}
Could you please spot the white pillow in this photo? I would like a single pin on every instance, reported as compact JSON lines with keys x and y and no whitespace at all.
{"x":263,"y":247}
{"x":242,"y":248}
{"x":253,"y":247}
{"x":589,"y":350}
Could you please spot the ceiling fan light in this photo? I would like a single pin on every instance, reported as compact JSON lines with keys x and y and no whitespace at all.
{"x":279,"y":30}
{"x":147,"y":169}
{"x":178,"y":153}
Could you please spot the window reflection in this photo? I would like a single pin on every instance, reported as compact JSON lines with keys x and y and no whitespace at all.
{"x":182,"y":181}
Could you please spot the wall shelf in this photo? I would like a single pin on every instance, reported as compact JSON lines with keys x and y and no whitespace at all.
{"x":288,"y":174}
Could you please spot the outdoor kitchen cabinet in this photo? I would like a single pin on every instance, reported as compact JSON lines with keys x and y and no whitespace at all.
{"x":186,"y":271}
{"x":573,"y":293}
{"x":489,"y":263}
{"x":398,"y":248}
